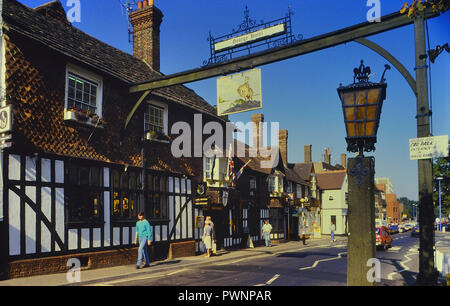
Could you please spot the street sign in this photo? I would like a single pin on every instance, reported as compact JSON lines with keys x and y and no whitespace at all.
{"x":428,"y":147}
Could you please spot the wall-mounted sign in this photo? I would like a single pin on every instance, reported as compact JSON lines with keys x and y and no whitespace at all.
{"x":6,"y":119}
{"x":240,"y":92}
{"x":255,"y":36}
{"x":428,"y":147}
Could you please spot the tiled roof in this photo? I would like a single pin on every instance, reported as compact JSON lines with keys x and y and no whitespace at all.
{"x":75,"y":44}
{"x":303,"y":170}
{"x":330,"y":180}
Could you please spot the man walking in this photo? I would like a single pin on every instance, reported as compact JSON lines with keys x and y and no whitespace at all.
{"x":143,"y":239}
{"x":333,"y":228}
{"x":266,"y":230}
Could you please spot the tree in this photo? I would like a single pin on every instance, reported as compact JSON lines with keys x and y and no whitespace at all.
{"x":441,"y":168}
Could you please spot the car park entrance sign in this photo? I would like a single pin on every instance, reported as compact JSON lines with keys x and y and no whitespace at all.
{"x":428,"y":147}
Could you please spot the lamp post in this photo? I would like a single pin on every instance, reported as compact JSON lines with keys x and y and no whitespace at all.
{"x":361,"y":104}
{"x":439,"y":179}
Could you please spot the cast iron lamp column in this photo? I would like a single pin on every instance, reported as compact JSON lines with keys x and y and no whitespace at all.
{"x":361,"y":103}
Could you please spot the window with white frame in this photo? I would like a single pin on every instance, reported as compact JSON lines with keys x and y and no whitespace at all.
{"x":289,"y":187}
{"x":299,"y":191}
{"x":209,"y":162}
{"x":271,"y":183}
{"x":83,"y":90}
{"x":155,"y":118}
{"x":253,"y":183}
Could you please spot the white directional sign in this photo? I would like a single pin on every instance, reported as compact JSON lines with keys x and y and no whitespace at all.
{"x":428,"y":147}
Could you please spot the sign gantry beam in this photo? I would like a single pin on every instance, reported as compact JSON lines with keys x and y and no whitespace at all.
{"x":388,"y":22}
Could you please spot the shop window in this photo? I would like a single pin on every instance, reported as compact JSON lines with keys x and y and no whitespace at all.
{"x":84,"y":193}
{"x":157,"y":201}
{"x":125,"y":194}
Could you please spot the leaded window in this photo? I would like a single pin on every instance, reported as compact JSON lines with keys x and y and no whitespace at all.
{"x":84,"y":193}
{"x":154,"y":119}
{"x":82,"y":93}
{"x":125,"y":194}
{"x":157,"y":202}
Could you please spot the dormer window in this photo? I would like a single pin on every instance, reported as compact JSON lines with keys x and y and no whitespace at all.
{"x":84,"y":91}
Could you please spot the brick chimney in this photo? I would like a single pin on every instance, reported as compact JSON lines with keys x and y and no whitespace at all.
{"x":327,"y":156}
{"x":146,"y":22}
{"x":344,"y":160}
{"x":282,"y":143}
{"x":257,"y":120}
{"x":308,"y":152}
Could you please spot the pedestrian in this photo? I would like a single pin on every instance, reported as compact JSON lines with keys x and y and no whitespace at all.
{"x":333,"y":228}
{"x":303,"y":235}
{"x":213,"y":235}
{"x":143,"y":239}
{"x":207,"y":237}
{"x":266,"y":230}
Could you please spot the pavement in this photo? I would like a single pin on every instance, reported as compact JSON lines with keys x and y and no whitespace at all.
{"x":93,"y":276}
{"x":170,"y":266}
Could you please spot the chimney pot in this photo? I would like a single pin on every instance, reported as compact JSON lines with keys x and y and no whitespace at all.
{"x":139,"y":5}
{"x":145,"y":3}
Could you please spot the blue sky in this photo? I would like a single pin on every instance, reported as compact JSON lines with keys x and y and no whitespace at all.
{"x":300,"y":93}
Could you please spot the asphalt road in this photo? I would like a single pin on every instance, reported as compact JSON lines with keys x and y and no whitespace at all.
{"x":307,"y":266}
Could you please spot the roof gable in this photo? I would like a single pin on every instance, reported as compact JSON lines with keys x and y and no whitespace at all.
{"x":332,"y":180}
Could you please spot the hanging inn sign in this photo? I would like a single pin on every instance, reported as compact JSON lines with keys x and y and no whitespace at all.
{"x":249,"y":36}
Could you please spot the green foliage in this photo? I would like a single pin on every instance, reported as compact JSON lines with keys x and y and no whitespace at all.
{"x":438,"y":6}
{"x":441,"y":168}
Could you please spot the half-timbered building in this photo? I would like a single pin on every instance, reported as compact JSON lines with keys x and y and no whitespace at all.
{"x":73,"y":177}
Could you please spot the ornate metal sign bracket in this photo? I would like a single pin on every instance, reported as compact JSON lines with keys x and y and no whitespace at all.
{"x":270,"y":34}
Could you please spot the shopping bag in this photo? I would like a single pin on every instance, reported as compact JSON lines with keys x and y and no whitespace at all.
{"x":214,"y":248}
{"x":202,"y":247}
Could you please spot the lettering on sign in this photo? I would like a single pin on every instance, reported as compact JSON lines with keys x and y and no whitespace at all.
{"x":428,"y":147}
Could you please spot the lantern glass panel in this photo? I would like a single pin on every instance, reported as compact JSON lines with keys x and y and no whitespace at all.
{"x":351,"y":129}
{"x":371,"y":112}
{"x":370,"y":126}
{"x":348,"y":98}
{"x":373,"y":95}
{"x":361,"y":97}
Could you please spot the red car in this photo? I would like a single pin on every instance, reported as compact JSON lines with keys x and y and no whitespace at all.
{"x":383,"y":238}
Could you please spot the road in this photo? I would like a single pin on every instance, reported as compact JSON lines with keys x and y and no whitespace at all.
{"x":306,"y":266}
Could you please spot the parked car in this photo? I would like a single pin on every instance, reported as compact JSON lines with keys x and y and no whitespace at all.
{"x":383,"y":238}
{"x":401,"y":228}
{"x":415,"y":232}
{"x":408,"y":226}
{"x":393,"y":228}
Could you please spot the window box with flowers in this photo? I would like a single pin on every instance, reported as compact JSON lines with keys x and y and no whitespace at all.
{"x":83,"y":116}
{"x":156,"y":136}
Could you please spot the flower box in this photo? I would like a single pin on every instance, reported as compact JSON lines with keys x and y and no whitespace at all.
{"x":83,"y":117}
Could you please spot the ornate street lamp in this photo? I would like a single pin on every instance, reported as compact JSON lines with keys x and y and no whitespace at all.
{"x":361,"y":103}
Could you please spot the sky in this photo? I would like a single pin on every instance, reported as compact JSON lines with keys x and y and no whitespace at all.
{"x":300,"y":93}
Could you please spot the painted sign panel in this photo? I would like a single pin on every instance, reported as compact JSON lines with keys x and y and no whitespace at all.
{"x":239,"y":92}
{"x":6,"y":119}
{"x":237,"y":41}
{"x":428,"y":147}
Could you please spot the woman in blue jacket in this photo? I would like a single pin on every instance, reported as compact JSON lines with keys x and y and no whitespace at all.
{"x":143,"y":239}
